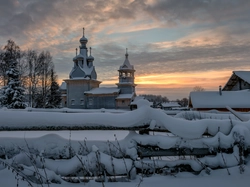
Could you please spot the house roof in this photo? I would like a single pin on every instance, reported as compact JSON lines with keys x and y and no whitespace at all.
{"x":244,"y":75}
{"x":213,"y":99}
{"x":103,"y":90}
{"x":170,"y":104}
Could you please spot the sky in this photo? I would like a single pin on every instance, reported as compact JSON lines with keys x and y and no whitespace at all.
{"x":174,"y":45}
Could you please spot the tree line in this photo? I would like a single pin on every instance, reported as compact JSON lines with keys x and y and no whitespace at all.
{"x":27,"y":78}
{"x":157,"y":99}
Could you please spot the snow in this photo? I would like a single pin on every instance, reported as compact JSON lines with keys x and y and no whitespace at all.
{"x":53,"y":157}
{"x":170,"y":104}
{"x":126,"y":65}
{"x":125,"y":96}
{"x":213,"y":99}
{"x":244,"y":75}
{"x":63,"y":86}
{"x":103,"y":90}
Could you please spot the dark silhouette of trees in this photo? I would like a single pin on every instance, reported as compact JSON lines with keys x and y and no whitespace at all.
{"x":34,"y":72}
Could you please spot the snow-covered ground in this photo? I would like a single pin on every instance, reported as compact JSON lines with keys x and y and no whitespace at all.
{"x":36,"y":154}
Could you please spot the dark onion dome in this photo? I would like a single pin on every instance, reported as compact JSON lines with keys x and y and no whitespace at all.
{"x":80,"y":56}
{"x":91,"y":58}
{"x":75,"y":59}
{"x":83,"y":40}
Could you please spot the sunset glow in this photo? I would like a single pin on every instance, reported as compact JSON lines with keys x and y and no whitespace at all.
{"x":173,"y":45}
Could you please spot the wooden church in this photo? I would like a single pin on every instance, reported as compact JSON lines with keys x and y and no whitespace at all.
{"x":82,"y":90}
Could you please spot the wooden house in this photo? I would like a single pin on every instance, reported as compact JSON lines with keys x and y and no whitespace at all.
{"x":235,"y":94}
{"x":240,"y":80}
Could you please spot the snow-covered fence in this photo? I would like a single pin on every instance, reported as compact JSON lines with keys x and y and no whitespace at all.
{"x":225,"y":145}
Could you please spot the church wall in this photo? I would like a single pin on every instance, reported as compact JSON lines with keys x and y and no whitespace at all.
{"x":123,"y":103}
{"x":75,"y":92}
{"x":100,"y":101}
{"x":126,"y":89}
{"x":126,"y":79}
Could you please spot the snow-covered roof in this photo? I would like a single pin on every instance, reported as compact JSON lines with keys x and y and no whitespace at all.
{"x":137,"y":98}
{"x":81,"y":78}
{"x":244,"y":75}
{"x":79,"y":56}
{"x":170,"y":104}
{"x":232,"y":81}
{"x":213,"y":99}
{"x":103,"y":90}
{"x":125,"y":96}
{"x":126,"y":64}
{"x":63,"y":86}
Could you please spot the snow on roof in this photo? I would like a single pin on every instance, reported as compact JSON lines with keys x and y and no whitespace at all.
{"x":170,"y":104}
{"x":126,"y":65}
{"x":245,"y":75}
{"x":213,"y":99}
{"x":63,"y":86}
{"x":137,"y":98}
{"x":81,"y":78}
{"x":125,"y":96}
{"x":103,"y":90}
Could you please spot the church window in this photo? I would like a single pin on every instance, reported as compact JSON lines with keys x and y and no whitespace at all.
{"x":81,"y":101}
{"x":72,"y":101}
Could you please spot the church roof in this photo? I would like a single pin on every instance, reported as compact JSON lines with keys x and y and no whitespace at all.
{"x":103,"y":90}
{"x":213,"y":99}
{"x":126,"y":64}
{"x":63,"y":86}
{"x":125,"y":96}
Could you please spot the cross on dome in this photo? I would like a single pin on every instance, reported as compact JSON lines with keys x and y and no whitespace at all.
{"x":126,"y":55}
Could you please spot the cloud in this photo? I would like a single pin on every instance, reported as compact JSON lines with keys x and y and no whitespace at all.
{"x":212,"y":35}
{"x":174,"y":12}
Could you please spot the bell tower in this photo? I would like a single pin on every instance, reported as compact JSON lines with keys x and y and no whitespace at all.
{"x":126,"y":77}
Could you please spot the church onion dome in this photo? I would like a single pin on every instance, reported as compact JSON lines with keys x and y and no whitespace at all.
{"x":83,"y":40}
{"x":80,"y":56}
{"x":75,"y":59}
{"x":90,"y":58}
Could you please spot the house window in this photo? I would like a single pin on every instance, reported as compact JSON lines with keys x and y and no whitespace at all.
{"x":123,"y":101}
{"x":72,"y":101}
{"x":81,"y":101}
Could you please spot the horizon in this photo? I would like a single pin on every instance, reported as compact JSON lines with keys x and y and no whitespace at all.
{"x":173,"y":45}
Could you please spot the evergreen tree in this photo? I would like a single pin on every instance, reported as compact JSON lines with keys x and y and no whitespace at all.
{"x":12,"y":95}
{"x":54,"y":97}
{"x":9,"y":53}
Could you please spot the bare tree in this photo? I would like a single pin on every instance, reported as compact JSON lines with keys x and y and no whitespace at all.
{"x":198,"y":89}
{"x":43,"y":69}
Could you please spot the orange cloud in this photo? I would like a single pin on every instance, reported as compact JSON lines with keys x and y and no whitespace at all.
{"x":209,"y":80}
